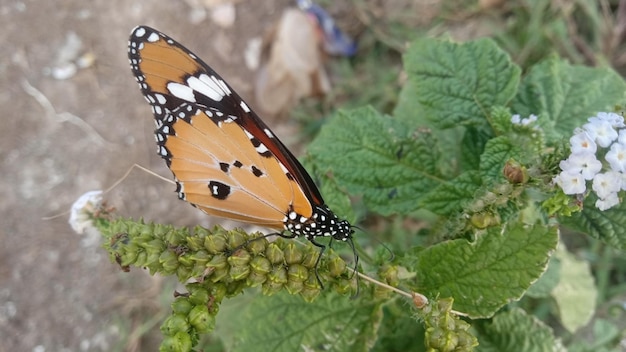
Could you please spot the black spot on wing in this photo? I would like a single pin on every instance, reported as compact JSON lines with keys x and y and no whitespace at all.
{"x":219,"y":190}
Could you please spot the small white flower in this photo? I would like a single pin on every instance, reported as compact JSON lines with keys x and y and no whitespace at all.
{"x":614,"y":119}
{"x":515,"y":119}
{"x":571,"y":183}
{"x":617,"y":157}
{"x":83,"y":207}
{"x":608,"y":202}
{"x":530,"y":119}
{"x":607,"y":183}
{"x":621,"y":138}
{"x":582,"y":162}
{"x":601,"y":131}
{"x":582,"y":142}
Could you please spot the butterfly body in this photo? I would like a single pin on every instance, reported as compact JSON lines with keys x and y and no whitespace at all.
{"x":225,"y":159}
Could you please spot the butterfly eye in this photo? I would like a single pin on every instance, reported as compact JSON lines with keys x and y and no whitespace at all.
{"x":226,"y":161}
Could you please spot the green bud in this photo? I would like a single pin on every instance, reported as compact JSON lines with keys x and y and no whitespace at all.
{"x":344,"y":286}
{"x":255,"y":279}
{"x":235,"y":239}
{"x":194,"y":243}
{"x":309,"y":294}
{"x":181,"y":305}
{"x":241,"y":257}
{"x":336,"y":266}
{"x":201,"y":320}
{"x":185,"y":260}
{"x":219,"y":274}
{"x":200,"y":256}
{"x":293,"y":254}
{"x":294,"y":287}
{"x":310,"y":258}
{"x":389,"y":273}
{"x":155,"y":245}
{"x":260,"y":265}
{"x":169,"y":261}
{"x":141,"y":259}
{"x":174,"y":323}
{"x":198,"y":295}
{"x":219,"y":261}
{"x":297,"y":272}
{"x":270,"y":287}
{"x":239,"y":272}
{"x":183,"y":273}
{"x":257,"y":245}
{"x":274,"y":254}
{"x":181,"y":341}
{"x":215,"y":244}
{"x":278,"y":275}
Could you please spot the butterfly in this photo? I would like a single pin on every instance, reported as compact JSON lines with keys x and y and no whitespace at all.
{"x":225,"y":160}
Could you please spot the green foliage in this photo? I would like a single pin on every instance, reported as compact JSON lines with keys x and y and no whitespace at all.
{"x":450,"y":158}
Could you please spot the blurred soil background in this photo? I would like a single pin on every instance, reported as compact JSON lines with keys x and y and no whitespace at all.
{"x":75,"y":121}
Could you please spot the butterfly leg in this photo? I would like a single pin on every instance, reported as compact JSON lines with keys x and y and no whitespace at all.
{"x":319,"y":257}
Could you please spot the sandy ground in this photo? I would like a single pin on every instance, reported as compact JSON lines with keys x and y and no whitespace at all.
{"x":61,"y":138}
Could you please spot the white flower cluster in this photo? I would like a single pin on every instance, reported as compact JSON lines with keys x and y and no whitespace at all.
{"x":605,"y":130}
{"x":518,"y":120}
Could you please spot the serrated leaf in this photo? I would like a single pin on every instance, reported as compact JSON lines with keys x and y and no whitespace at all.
{"x":516,"y":331}
{"x":609,"y":226}
{"x":452,"y":84}
{"x":472,"y":146}
{"x":575,"y":293}
{"x":451,"y":196}
{"x":287,"y":323}
{"x":497,"y":152}
{"x":547,"y":282}
{"x":374,"y":156}
{"x":484,"y":275}
{"x":567,"y":95}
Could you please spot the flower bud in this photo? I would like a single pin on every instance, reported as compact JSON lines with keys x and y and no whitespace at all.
{"x":235,"y":239}
{"x":336,"y":266}
{"x":274,"y":254}
{"x":514,"y":172}
{"x":181,"y":305}
{"x":239,"y":272}
{"x":181,"y":341}
{"x":218,"y":262}
{"x":201,"y":320}
{"x":297,"y":272}
{"x":215,"y":244}
{"x":241,"y":257}
{"x":174,"y":323}
{"x":293,"y":254}
{"x":260,"y":265}
{"x":255,"y":279}
{"x":294,"y":287}
{"x":257,"y":245}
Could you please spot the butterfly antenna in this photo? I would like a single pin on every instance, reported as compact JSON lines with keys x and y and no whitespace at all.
{"x":356,"y":267}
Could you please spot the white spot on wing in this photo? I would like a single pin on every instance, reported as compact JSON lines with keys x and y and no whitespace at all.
{"x":268,"y":132}
{"x":244,"y":106}
{"x":181,"y":91}
{"x":140,"y":32}
{"x":206,"y":86}
{"x":153,"y":37}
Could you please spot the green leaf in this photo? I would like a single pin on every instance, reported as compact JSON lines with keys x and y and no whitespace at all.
{"x":516,"y":331}
{"x":567,"y":95}
{"x":497,"y":152}
{"x":376,"y":157}
{"x":472,"y":146}
{"x":609,"y":226}
{"x":576,"y":294}
{"x":453,"y":84}
{"x":451,"y":196}
{"x":484,"y":275}
{"x":547,"y":282}
{"x":287,"y":323}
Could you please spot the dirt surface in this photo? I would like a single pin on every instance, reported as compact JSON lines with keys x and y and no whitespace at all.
{"x":63,"y":137}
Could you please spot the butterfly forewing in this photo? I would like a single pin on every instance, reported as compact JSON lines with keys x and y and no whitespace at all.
{"x":226,"y":161}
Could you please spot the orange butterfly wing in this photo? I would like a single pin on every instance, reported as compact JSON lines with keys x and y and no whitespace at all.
{"x":225,"y":160}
